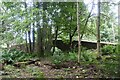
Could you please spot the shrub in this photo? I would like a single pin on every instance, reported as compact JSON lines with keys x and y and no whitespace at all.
{"x":72,"y":56}
{"x":88,"y":55}
{"x":110,"y":68}
{"x":13,"y":55}
{"x":59,"y":57}
{"x":108,"y":49}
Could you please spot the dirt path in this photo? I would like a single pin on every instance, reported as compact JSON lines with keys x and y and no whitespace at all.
{"x":66,"y":70}
{"x":70,"y":72}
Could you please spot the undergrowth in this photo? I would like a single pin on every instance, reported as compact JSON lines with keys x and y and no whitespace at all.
{"x":28,"y":71}
{"x":12,"y":55}
{"x":86,"y":56}
{"x":109,"y":63}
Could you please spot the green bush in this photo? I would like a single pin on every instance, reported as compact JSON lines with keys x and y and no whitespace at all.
{"x":72,"y":56}
{"x":13,"y":55}
{"x":88,"y":55}
{"x":110,"y":61}
{"x":108,"y":49}
{"x":110,"y":68}
{"x":59,"y":57}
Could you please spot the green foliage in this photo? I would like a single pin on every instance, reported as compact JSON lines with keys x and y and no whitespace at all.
{"x":9,"y":68}
{"x":13,"y":55}
{"x":59,"y":56}
{"x":108,"y":49}
{"x":72,"y":56}
{"x":31,"y":71}
{"x":35,"y":71}
{"x":110,"y":68}
{"x":88,"y":55}
{"x":110,"y":61}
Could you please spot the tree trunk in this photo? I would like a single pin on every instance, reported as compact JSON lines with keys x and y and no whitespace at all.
{"x":56,"y":35}
{"x":33,"y":32}
{"x":26,"y":43}
{"x":70,"y":36}
{"x":33,"y":45}
{"x":78,"y":30}
{"x":29,"y":38}
{"x":45,"y":33}
{"x":98,"y":30}
{"x":40,"y":49}
{"x":49,"y":42}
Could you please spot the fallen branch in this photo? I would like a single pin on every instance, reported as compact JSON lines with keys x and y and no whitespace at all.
{"x":19,"y":64}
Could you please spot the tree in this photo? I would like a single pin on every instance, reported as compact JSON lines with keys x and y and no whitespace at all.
{"x":40,"y":49}
{"x":78,"y":30}
{"x":33,"y":30}
{"x":119,"y":24}
{"x":108,"y":30}
{"x":98,"y":29}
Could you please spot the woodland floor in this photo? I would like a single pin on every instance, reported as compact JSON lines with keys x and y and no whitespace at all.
{"x":69,"y":69}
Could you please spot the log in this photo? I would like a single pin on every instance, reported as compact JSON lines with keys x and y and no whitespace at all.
{"x":19,"y":64}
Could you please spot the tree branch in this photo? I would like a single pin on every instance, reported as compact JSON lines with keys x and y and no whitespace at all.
{"x":87,"y":21}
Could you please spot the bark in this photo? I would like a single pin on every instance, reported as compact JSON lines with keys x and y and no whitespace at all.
{"x":33,"y":45}
{"x":70,"y":36}
{"x":29,"y":38}
{"x":29,"y":49}
{"x":49,"y":42}
{"x":56,"y":35}
{"x":26,"y":43}
{"x":71,"y":42}
{"x":33,"y":32}
{"x":40,"y":49}
{"x":44,"y":27}
{"x":98,"y":30}
{"x":78,"y":30}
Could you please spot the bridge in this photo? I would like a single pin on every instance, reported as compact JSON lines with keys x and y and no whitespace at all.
{"x":65,"y":47}
{"x":85,"y":43}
